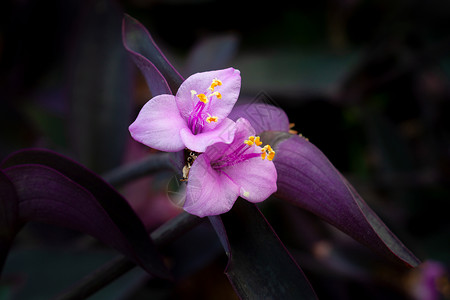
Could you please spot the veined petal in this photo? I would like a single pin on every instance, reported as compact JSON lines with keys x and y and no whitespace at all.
{"x":208,"y":192}
{"x":158,"y":124}
{"x":256,"y":178}
{"x":200,"y":82}
{"x":224,"y":133}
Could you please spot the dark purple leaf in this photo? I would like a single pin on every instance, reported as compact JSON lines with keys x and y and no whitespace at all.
{"x":161,"y":76}
{"x":259,"y":266}
{"x":99,"y":87}
{"x":262,"y":116}
{"x":54,"y":189}
{"x":307,"y":179}
{"x":8,"y":216}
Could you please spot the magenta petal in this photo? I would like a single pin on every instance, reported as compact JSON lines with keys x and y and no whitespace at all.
{"x":158,"y":124}
{"x":256,"y":178}
{"x":262,"y":116}
{"x":308,"y":179}
{"x":223,"y":133}
{"x":208,"y":192}
{"x":200,"y":82}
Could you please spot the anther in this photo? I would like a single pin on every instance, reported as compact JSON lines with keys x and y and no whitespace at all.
{"x":250,"y":141}
{"x":203,"y":98}
{"x":212,"y":119}
{"x":215,"y":82}
{"x":268,"y":152}
{"x":258,"y":141}
{"x":253,"y":140}
{"x":217,"y":94}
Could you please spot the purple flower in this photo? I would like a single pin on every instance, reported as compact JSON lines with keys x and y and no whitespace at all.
{"x":195,"y":118}
{"x":224,"y":172}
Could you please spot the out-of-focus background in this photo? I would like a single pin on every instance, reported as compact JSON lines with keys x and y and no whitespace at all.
{"x":366,"y":81}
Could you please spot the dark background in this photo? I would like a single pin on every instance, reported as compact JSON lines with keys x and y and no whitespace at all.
{"x":366,"y":81}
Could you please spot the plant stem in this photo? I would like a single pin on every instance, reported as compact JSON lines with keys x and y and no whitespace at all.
{"x":118,"y":266}
{"x":151,"y":164}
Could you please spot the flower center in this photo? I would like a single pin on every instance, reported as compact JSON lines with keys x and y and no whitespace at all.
{"x":200,"y":113}
{"x":242,"y":154}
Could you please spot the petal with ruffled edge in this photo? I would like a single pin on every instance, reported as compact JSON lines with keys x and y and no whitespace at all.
{"x":223,"y":133}
{"x":209,"y":192}
{"x":158,"y":124}
{"x":200,"y":82}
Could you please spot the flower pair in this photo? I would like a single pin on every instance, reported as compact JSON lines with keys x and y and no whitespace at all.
{"x":228,"y":160}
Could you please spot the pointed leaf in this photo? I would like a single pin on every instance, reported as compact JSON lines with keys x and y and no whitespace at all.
{"x":307,"y":179}
{"x":8,"y":216}
{"x":262,"y":116}
{"x":259,"y":266}
{"x":54,"y":189}
{"x":161,"y":76}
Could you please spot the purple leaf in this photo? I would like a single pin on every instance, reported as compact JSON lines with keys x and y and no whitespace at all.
{"x":8,"y":216}
{"x":259,"y":266}
{"x":161,"y":76}
{"x":56,"y":190}
{"x":262,"y":116}
{"x":307,"y":179}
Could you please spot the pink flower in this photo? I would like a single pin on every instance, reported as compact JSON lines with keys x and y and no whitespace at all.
{"x":195,"y":118}
{"x":224,"y":172}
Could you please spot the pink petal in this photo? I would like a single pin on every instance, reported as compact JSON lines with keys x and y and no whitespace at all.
{"x":256,"y":178}
{"x":208,"y":192}
{"x":223,"y":133}
{"x":200,"y":82}
{"x":158,"y":124}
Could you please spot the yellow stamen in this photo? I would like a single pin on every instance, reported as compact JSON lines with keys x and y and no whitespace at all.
{"x":215,"y":82}
{"x":267,"y":151}
{"x":203,"y":98}
{"x":253,"y":140}
{"x":193,"y":93}
{"x":217,"y":94}
{"x":212,"y":119}
{"x":250,"y":141}
{"x":258,"y":141}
